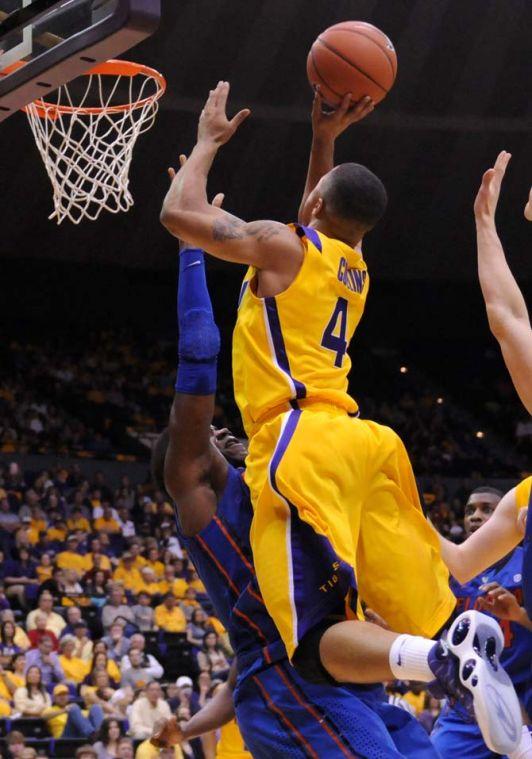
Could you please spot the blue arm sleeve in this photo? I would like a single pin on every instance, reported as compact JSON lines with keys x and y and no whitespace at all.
{"x":199,"y":338}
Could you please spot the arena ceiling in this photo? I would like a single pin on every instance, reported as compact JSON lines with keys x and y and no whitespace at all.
{"x":463,"y":93}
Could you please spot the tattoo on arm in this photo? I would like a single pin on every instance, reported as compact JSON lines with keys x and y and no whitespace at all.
{"x":235,"y":229}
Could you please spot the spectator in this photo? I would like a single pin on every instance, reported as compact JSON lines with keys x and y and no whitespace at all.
{"x":172,"y":584}
{"x":170,"y":542}
{"x":11,"y":680}
{"x":72,"y":590}
{"x":115,"y":607}
{"x":20,"y":577}
{"x":39,"y":632}
{"x":77,"y":521}
{"x":125,"y":749}
{"x":169,"y":617}
{"x":47,"y":661}
{"x":71,"y":557}
{"x":148,"y":710}
{"x":212,"y":658}
{"x":96,"y":558}
{"x":45,"y":568}
{"x":28,"y":752}
{"x":21,"y":639}
{"x":86,"y":752}
{"x":32,"y":699}
{"x":190,"y":602}
{"x":75,"y":669}
{"x":148,"y":582}
{"x":100,"y":692}
{"x":136,"y":675}
{"x":127,"y":574}
{"x":110,"y":735}
{"x":102,"y":662}
{"x":138,"y":641}
{"x":153,"y":561}
{"x":127,"y":527}
{"x":54,"y":585}
{"x":54,"y":622}
{"x":8,"y":647}
{"x":15,"y":744}
{"x":73,"y":617}
{"x":116,"y":642}
{"x":107,"y":521}
{"x":9,"y":521}
{"x":96,"y":582}
{"x":66,"y":720}
{"x":83,"y":644}
{"x":197,"y":628}
{"x":143,"y":613}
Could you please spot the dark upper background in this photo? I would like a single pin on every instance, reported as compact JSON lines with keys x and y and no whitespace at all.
{"x":462,"y":94}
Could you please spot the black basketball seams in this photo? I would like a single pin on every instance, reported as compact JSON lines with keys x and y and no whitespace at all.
{"x":319,"y":75}
{"x":333,"y":50}
{"x":391,"y":61}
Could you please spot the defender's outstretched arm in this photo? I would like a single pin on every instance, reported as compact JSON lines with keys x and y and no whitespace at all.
{"x":506,"y":308}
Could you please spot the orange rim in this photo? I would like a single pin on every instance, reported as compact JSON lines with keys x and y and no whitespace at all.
{"x":47,"y":110}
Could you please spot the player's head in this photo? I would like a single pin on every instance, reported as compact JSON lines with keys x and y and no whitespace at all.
{"x":350,"y":199}
{"x":480,"y":507}
{"x":229,"y":446}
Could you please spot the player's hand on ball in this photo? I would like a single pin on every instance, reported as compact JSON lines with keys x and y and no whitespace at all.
{"x":168,"y":734}
{"x":214,"y":126}
{"x":500,"y":602}
{"x":331,"y":124}
{"x":488,"y":194}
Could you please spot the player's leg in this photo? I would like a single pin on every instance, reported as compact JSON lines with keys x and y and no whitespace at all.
{"x":277,"y":709}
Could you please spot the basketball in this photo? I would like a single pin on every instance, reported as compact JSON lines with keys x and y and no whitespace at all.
{"x":355,"y":57}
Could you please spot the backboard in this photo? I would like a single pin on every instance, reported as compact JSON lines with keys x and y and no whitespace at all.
{"x":46,"y":43}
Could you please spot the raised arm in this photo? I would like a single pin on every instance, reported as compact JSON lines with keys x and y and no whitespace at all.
{"x":186,"y":213}
{"x":490,"y":543}
{"x":506,"y":308}
{"x":194,"y":471}
{"x":327,"y":126}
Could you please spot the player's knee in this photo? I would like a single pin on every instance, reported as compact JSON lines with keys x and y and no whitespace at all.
{"x":308,"y":661}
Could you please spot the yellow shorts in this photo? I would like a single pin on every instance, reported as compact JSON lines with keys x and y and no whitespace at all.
{"x":336,"y":509}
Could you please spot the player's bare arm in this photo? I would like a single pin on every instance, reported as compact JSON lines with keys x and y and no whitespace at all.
{"x":186,"y":213}
{"x":327,"y":126}
{"x":490,"y":543}
{"x":506,"y":308}
{"x":216,"y":713}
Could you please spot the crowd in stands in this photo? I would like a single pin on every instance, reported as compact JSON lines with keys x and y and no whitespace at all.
{"x":105,"y":627}
{"x":102,"y":396}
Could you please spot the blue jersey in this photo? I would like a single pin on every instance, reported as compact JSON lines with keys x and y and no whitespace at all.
{"x":517,"y":639}
{"x":454,"y":733}
{"x":221,"y":553}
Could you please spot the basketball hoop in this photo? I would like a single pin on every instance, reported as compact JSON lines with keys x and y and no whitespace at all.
{"x":87,"y":147}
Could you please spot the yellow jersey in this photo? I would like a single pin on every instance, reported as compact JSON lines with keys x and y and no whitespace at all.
{"x":231,"y":744}
{"x":523,"y":493}
{"x":291,"y":349}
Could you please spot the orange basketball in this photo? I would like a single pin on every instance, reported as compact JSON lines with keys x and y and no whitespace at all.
{"x":354,"y":57}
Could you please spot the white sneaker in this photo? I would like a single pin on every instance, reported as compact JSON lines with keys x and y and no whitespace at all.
{"x":477,"y":641}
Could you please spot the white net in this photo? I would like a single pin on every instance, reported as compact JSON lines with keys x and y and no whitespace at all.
{"x":87,"y":144}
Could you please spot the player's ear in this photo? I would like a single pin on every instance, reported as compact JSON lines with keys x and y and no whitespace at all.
{"x":318,"y":207}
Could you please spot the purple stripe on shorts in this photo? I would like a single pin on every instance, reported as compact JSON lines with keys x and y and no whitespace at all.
{"x":279,"y":346}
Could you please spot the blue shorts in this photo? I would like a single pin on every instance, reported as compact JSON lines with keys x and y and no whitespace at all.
{"x":455,"y":736}
{"x":282,"y":716}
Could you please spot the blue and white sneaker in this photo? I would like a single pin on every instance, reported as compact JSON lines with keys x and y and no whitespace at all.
{"x":468,"y":670}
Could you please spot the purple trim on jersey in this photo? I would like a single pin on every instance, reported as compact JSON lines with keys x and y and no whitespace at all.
{"x":279,"y":346}
{"x":312,"y":555}
{"x":311,"y":235}
{"x":242,"y":292}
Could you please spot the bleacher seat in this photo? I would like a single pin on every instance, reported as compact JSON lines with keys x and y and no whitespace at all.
{"x":31,"y":727}
{"x":67,"y":747}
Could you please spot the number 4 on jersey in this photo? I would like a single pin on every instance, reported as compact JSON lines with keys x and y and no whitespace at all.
{"x":334,"y":335}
